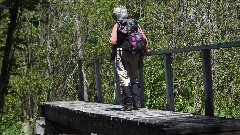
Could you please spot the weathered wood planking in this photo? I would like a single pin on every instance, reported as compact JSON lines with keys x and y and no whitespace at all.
{"x":107,"y":119}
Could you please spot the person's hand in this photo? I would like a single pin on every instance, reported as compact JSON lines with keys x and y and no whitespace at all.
{"x":146,"y":50}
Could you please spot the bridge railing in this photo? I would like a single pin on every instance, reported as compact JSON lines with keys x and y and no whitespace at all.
{"x":206,"y":70}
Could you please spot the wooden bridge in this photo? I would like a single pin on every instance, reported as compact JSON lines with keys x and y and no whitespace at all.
{"x":84,"y":118}
{"x":81,"y":117}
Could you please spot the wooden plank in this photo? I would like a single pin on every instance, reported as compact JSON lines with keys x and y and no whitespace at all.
{"x":98,"y":81}
{"x":180,"y":50}
{"x":96,"y":58}
{"x":207,"y":80}
{"x":223,"y":133}
{"x":169,"y":81}
{"x":196,"y":48}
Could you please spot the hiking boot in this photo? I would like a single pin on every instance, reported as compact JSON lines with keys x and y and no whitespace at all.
{"x":135,"y":89}
{"x":126,"y":109}
{"x":127,"y":98}
{"x":136,"y":108}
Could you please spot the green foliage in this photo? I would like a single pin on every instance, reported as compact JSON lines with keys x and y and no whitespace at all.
{"x":188,"y":81}
{"x":11,"y":123}
{"x":12,"y":128}
{"x":226,"y":82}
{"x":51,"y":35}
{"x":108,"y":81}
{"x":155,"y":92}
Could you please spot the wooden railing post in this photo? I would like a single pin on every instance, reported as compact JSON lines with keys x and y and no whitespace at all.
{"x":207,"y":78}
{"x":98,"y":81}
{"x":82,"y":91}
{"x":117,"y":92}
{"x":141,"y":82}
{"x":169,"y":81}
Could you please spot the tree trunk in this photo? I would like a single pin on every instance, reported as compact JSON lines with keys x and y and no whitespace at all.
{"x":80,"y":43}
{"x":6,"y":63}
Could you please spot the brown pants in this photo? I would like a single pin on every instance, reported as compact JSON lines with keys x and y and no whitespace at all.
{"x":127,"y":67}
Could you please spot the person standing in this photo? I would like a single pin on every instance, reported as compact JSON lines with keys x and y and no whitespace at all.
{"x":126,"y":61}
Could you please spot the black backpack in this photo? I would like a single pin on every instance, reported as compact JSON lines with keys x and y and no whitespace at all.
{"x":129,"y":29}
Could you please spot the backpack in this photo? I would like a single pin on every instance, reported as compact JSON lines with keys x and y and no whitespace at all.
{"x":135,"y":42}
